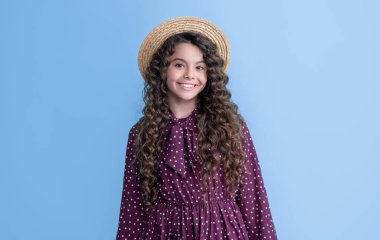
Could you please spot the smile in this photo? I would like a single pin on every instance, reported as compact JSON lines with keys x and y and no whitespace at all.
{"x":187,"y":87}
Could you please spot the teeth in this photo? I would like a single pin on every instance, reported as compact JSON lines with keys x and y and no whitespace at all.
{"x":188,"y":85}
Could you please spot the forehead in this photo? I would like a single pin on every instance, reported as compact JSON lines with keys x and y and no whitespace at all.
{"x":187,"y":51}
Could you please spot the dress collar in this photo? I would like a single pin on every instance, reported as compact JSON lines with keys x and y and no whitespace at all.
{"x":188,"y":122}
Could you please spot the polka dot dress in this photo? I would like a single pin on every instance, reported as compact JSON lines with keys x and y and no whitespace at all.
{"x":179,"y":210}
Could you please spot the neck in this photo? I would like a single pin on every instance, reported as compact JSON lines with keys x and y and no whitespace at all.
{"x":182,"y":110}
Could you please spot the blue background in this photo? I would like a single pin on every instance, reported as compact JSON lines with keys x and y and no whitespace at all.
{"x":305,"y":75}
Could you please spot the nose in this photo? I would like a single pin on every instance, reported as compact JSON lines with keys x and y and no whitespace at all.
{"x":189,"y":74}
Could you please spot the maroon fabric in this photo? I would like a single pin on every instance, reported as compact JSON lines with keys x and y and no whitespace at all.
{"x":179,"y":211}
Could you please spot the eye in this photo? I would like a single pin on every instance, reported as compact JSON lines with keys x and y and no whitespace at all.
{"x":200,"y":68}
{"x":178,"y":65}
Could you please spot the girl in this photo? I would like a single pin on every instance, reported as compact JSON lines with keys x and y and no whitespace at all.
{"x":191,"y":169}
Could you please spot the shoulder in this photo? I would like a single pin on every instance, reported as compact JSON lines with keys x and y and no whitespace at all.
{"x":136,"y":126}
{"x":133,"y":131}
{"x":243,"y":123}
{"x":245,"y":129}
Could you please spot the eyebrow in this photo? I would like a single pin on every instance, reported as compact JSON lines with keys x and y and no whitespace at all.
{"x":183,"y":60}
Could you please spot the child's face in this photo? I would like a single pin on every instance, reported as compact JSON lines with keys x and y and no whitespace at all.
{"x":186,"y":74}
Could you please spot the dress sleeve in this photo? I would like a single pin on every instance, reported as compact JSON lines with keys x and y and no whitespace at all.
{"x":252,"y":197}
{"x":132,"y":218}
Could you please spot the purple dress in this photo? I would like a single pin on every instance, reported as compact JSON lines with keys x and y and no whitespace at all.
{"x":179,"y":210}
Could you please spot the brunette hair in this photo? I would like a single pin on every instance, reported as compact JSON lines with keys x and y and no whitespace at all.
{"x":220,"y":136}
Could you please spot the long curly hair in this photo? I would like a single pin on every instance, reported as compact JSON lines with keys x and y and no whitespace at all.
{"x":220,"y":136}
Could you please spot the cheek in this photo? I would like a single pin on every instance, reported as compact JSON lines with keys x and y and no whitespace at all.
{"x":204,"y":77}
{"x":204,"y":83}
{"x":169,"y":76}
{"x":167,"y":83}
{"x":172,"y":70}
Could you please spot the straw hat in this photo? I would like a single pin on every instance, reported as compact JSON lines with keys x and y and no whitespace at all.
{"x":157,"y":37}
